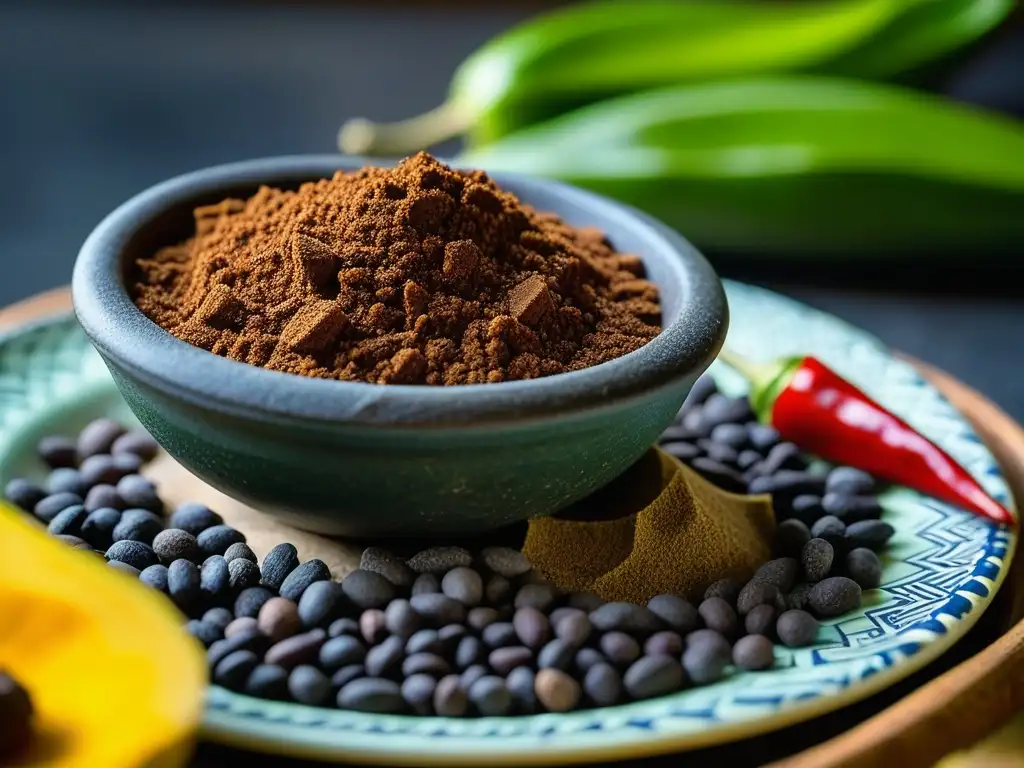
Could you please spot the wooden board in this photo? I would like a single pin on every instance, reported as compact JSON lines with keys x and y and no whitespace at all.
{"x":949,"y":713}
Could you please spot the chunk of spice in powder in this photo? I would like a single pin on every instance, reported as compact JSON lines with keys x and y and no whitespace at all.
{"x":417,"y":274}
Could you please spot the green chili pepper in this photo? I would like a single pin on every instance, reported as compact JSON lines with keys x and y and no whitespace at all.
{"x":581,"y":54}
{"x":798,"y":164}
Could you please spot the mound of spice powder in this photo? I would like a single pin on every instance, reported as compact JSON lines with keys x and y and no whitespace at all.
{"x":417,"y":274}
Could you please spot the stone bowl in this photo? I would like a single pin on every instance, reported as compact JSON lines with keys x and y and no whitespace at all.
{"x":361,"y":459}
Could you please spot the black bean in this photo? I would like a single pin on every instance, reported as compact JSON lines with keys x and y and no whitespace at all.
{"x":386,"y":658}
{"x":346,"y":675}
{"x":720,"y":616}
{"x":267,"y":681}
{"x":587,"y":658}
{"x":727,"y":589}
{"x":872,"y":534}
{"x":678,"y":433}
{"x":234,"y":669}
{"x":625,"y":617}
{"x":761,"y":620}
{"x":719,"y":409}
{"x":425,"y":584}
{"x":343,"y":626}
{"x":440,"y":560}
{"x":97,"y":437}
{"x":796,"y":629}
{"x":783,"y":456}
{"x":851,"y":509}
{"x":138,"y":525}
{"x":57,"y":451}
{"x":807,"y":508}
{"x":849,"y":482}
{"x":490,"y":696}
{"x":418,"y":692}
{"x":725,"y":478}
{"x":218,"y":617}
{"x":296,"y":582}
{"x":320,"y":604}
{"x":243,"y":574}
{"x":450,"y":699}
{"x":556,"y":691}
{"x":74,"y":542}
{"x":469,"y":652}
{"x":504,"y":561}
{"x":864,"y":567}
{"x":451,"y":635}
{"x":240,"y":551}
{"x":387,"y":564}
{"x":531,"y":626}
{"x":788,"y":482}
{"x":128,"y":570}
{"x":68,"y":522}
{"x":23,"y":493}
{"x":340,"y":652}
{"x":279,"y":618}
{"x":156,"y":577}
{"x":504,"y":660}
{"x":798,"y":597}
{"x":100,"y":469}
{"x":139,"y":444}
{"x":252,"y":640}
{"x":585,"y":601}
{"x":139,"y":492}
{"x":241,"y":625}
{"x":194,"y":518}
{"x":175,"y":544}
{"x":619,"y":648}
{"x":651,"y":676}
{"x":498,"y":634}
{"x":706,"y":656}
{"x":755,"y":594}
{"x":425,"y":664}
{"x":685,"y":452}
{"x":834,"y":596}
{"x":573,"y":627}
{"x":701,"y":390}
{"x":217,"y":539}
{"x":602,"y":684}
{"x":207,"y":634}
{"x":520,"y":684}
{"x":215,"y":581}
{"x":557,"y":654}
{"x":297,"y":649}
{"x":251,"y":600}
{"x":52,"y":505}
{"x":308,"y":685}
{"x":401,"y":619}
{"x":480,"y":617}
{"x":666,"y":643}
{"x":790,"y":537}
{"x":183,"y":583}
{"x":372,"y":625}
{"x":780,"y":572}
{"x":133,"y":553}
{"x":693,"y":422}
{"x":98,"y":527}
{"x":426,"y":641}
{"x":277,"y":565}
{"x":463,"y":584}
{"x":539,"y":596}
{"x":723,"y":454}
{"x":731,"y":435}
{"x":126,"y":464}
{"x":103,"y":497}
{"x":367,"y":589}
{"x":763,"y":437}
{"x":816,"y":559}
{"x":372,"y":694}
{"x":438,"y":609}
{"x":753,"y":652}
{"x":831,"y":529}
{"x":747,"y":459}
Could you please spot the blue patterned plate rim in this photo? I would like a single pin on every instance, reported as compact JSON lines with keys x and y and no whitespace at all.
{"x":944,"y":568}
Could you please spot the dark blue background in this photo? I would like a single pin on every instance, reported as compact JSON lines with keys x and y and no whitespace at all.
{"x":100,"y":101}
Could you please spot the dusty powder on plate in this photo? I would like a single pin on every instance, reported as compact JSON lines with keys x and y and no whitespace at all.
{"x":413,"y":275}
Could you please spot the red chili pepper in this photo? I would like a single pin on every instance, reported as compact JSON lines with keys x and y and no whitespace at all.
{"x":814,"y":407}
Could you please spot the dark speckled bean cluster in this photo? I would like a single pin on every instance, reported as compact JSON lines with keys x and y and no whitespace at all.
{"x":447,"y":631}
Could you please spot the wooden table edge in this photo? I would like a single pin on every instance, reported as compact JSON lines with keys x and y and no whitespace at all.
{"x":950,"y":713}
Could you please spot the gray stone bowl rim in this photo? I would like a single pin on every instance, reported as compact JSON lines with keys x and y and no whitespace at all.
{"x":121,"y":332}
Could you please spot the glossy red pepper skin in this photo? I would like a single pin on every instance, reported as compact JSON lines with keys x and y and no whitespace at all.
{"x":826,"y":415}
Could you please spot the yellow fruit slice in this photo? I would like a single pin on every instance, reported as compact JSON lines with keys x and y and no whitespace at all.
{"x":115,"y":680}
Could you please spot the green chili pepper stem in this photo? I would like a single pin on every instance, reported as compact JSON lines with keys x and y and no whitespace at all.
{"x":766,"y":380}
{"x":364,"y":137}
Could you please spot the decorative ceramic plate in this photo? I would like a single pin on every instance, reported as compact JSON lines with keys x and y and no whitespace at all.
{"x":941,"y":570}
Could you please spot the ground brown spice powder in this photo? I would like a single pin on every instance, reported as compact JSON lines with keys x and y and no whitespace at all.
{"x":418,"y":274}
